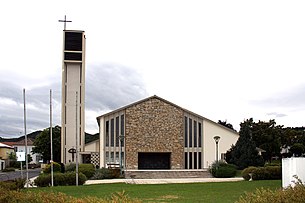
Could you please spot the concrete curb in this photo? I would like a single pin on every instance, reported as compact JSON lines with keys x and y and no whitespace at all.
{"x":162,"y":181}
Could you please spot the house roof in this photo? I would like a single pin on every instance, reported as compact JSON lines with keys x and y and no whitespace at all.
{"x":2,"y":145}
{"x":30,"y":142}
{"x":168,"y":102}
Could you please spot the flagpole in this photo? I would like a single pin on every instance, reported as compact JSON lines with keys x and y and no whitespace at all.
{"x":51,"y":140}
{"x":26,"y":142}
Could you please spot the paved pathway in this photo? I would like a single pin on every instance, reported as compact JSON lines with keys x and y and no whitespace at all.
{"x":162,"y":181}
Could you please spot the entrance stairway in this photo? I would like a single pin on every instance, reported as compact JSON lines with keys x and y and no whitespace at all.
{"x":163,"y":174}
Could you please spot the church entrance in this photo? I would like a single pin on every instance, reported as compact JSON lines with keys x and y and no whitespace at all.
{"x":154,"y":160}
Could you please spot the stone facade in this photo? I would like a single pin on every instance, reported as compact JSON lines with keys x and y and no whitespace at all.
{"x":154,"y":126}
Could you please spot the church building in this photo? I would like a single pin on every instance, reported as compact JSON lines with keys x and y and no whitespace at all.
{"x":155,"y":134}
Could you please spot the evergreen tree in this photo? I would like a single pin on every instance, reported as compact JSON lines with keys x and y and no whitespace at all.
{"x":244,"y":153}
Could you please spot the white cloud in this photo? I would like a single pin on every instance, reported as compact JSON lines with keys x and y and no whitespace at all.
{"x":225,"y":60}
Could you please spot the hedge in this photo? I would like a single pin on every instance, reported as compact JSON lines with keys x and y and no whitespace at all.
{"x":262,"y":173}
{"x":63,"y":179}
{"x":221,"y":169}
{"x":105,"y":173}
{"x":56,"y":168}
{"x":87,"y":169}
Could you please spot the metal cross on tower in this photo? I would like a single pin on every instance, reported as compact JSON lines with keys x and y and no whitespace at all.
{"x":65,"y":21}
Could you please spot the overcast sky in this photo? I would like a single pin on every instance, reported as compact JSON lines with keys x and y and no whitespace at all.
{"x":225,"y":60}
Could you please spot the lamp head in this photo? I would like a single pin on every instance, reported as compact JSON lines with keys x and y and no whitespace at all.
{"x":216,"y":138}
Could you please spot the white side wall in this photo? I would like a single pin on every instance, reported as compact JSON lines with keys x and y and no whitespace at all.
{"x":102,"y":143}
{"x":93,"y":146}
{"x":227,"y":138}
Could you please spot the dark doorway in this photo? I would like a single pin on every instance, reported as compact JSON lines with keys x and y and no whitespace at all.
{"x":154,"y":160}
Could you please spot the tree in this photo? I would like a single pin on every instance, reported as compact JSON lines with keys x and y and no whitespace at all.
{"x":268,"y":136}
{"x":228,"y":125}
{"x":297,"y":149}
{"x":244,"y":153}
{"x":42,"y":144}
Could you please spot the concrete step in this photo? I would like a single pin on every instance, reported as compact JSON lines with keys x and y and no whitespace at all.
{"x":159,"y":174}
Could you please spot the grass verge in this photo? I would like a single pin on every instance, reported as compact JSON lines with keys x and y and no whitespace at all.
{"x":189,"y":192}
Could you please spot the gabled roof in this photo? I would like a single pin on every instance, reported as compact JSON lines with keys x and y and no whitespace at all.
{"x":30,"y":142}
{"x":2,"y":145}
{"x":159,"y":98}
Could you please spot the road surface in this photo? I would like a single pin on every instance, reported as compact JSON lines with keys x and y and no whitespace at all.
{"x":4,"y":176}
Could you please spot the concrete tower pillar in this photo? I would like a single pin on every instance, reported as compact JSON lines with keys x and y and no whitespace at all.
{"x":73,"y":107}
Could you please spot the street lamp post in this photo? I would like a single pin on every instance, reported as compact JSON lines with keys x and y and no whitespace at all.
{"x":121,"y":154}
{"x":216,"y":138}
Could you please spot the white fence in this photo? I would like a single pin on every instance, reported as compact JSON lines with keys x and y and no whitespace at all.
{"x":292,"y":168}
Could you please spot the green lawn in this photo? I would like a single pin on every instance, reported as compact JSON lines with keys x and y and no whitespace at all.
{"x":190,"y":192}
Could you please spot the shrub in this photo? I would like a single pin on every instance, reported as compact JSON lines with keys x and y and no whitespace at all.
{"x":8,"y":196}
{"x":87,"y":169}
{"x":58,"y":179}
{"x":263,"y":173}
{"x":289,"y":195}
{"x":275,"y":172}
{"x":221,"y":169}
{"x":9,"y":169}
{"x":245,"y":173}
{"x":70,"y":178}
{"x":15,"y":164}
{"x":274,"y":163}
{"x":63,"y":179}
{"x":105,"y":173}
{"x":56,"y":168}
{"x":226,"y":171}
{"x":16,"y":184}
{"x":43,"y":180}
{"x":70,"y":167}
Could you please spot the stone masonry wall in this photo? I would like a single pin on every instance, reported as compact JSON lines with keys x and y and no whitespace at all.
{"x":154,"y":126}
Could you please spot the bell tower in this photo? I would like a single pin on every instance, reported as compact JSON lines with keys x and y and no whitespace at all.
{"x":73,"y":95}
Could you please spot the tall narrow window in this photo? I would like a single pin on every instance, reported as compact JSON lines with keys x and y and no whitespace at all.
{"x":80,"y":73}
{"x":199,"y":135}
{"x":80,"y":136}
{"x":112,"y":157}
{"x":65,"y":93}
{"x":190,"y":160}
{"x":117,"y":158}
{"x":66,"y":75}
{"x":195,"y":160}
{"x":107,"y":157}
{"x":185,"y":131}
{"x":195,"y":133}
{"x":80,"y":115}
{"x":112,"y":133}
{"x":117,"y":131}
{"x":122,"y":128}
{"x":80,"y":94}
{"x":190,"y":132}
{"x":107,"y":133}
{"x":185,"y":160}
{"x":199,"y":160}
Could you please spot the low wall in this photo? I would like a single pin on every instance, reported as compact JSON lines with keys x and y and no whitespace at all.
{"x":293,"y":168}
{"x":159,"y":174}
